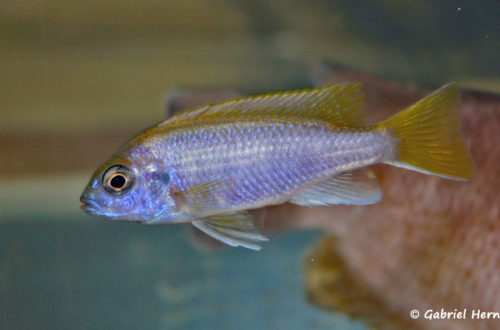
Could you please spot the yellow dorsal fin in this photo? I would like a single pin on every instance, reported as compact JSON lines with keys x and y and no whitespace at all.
{"x":337,"y":104}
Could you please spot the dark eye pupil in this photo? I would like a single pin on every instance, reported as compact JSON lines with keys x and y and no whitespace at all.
{"x":118,"y":181}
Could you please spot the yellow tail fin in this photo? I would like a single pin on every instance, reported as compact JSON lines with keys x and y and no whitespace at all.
{"x":429,"y":138}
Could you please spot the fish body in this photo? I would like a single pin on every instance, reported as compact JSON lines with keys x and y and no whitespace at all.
{"x":261,"y":163}
{"x":209,"y":165}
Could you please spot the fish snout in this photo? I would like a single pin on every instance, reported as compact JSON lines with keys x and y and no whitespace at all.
{"x":89,"y":205}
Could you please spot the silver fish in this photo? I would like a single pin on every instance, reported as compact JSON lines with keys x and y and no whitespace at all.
{"x":209,"y":165}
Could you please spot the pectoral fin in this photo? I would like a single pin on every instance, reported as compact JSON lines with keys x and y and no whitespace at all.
{"x":201,"y":196}
{"x":234,"y":229}
{"x":359,"y":187}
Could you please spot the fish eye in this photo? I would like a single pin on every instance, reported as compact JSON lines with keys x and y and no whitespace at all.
{"x":117,"y":179}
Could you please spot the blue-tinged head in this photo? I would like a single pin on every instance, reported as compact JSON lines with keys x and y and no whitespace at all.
{"x":126,"y":190}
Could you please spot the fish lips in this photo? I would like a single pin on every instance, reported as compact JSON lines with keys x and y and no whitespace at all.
{"x":91,"y":207}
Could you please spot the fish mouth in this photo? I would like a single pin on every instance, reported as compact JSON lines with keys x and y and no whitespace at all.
{"x":91,"y":207}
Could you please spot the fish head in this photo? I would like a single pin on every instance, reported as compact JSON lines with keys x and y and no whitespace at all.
{"x":125,"y":190}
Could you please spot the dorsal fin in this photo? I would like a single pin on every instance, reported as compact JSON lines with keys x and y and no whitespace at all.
{"x":337,"y":104}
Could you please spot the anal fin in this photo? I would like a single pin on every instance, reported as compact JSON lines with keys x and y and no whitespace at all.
{"x":358,"y":187}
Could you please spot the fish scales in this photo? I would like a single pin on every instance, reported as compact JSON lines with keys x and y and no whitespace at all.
{"x":263,"y":162}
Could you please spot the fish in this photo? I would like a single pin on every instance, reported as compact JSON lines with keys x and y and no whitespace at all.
{"x":210,"y":165}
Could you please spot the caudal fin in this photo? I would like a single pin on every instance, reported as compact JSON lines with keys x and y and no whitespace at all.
{"x":429,"y":138}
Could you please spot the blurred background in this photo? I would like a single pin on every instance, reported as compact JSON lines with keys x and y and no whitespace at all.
{"x":77,"y":79}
